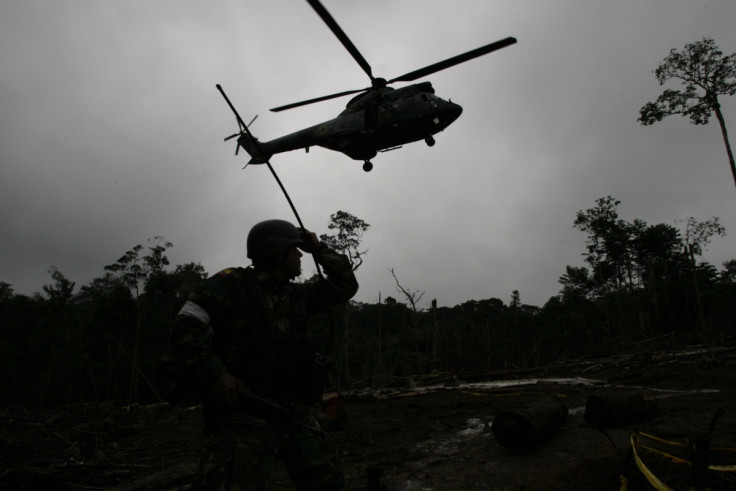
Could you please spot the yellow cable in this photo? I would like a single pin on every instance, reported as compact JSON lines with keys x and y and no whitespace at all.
{"x":653,"y":480}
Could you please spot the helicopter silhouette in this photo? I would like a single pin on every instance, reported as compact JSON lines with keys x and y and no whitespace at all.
{"x":378,"y":119}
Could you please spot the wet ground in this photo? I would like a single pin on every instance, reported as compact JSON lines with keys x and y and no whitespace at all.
{"x":441,"y":438}
{"x":436,"y":437}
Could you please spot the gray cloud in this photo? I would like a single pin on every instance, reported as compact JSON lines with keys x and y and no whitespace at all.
{"x":111,"y":133}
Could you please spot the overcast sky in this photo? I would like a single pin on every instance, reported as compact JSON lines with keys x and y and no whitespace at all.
{"x":112,"y":133}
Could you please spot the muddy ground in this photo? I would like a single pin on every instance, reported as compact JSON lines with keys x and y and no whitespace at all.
{"x":411,"y":438}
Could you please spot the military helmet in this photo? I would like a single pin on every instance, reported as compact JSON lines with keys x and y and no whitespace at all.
{"x":271,"y":238}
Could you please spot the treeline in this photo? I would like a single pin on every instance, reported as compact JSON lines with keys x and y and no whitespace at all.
{"x":102,"y":343}
{"x":643,"y":287}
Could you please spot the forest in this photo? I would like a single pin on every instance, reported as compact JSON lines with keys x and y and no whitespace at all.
{"x":642,"y":286}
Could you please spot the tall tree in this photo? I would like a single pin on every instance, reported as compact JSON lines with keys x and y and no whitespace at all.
{"x":698,"y":234}
{"x":62,"y":290}
{"x":6,"y":291}
{"x":413,"y":297}
{"x":136,"y":271}
{"x":609,"y":244}
{"x":576,"y":284}
{"x":697,"y":237}
{"x":706,"y":74}
{"x":348,"y":233}
{"x":728,"y":275}
{"x":515,"y":299}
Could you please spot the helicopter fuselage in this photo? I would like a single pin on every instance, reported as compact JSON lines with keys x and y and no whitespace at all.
{"x":371,"y":122}
{"x":379,"y":118}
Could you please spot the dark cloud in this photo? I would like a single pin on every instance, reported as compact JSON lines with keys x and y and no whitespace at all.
{"x":111,"y":133}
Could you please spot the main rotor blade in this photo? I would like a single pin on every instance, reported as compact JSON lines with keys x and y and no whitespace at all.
{"x":327,"y":18}
{"x":317,"y":99}
{"x":455,"y":60}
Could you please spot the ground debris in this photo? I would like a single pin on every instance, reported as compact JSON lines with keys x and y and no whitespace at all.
{"x":399,"y":438}
{"x":94,"y":446}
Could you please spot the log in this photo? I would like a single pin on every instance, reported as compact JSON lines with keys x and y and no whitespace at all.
{"x":526,"y":428}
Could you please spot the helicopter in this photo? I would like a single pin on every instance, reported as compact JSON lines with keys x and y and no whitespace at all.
{"x":378,"y":119}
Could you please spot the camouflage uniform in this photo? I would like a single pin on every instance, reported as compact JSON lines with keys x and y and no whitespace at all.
{"x":245,"y":322}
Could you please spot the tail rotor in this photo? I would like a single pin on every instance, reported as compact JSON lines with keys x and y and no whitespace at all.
{"x":243,"y":131}
{"x":245,"y":138}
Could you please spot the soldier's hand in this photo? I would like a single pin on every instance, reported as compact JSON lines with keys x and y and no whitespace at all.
{"x":311,"y":241}
{"x":225,"y":389}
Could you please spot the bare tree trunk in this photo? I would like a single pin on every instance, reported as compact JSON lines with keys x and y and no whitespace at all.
{"x":346,"y":320}
{"x":722,"y":122}
{"x":380,"y":329}
{"x":698,"y":299}
{"x":413,"y":299}
{"x":435,"y":330}
{"x":135,"y":361}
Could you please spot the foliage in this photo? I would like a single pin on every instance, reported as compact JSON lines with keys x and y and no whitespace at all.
{"x":349,"y":231}
{"x":698,"y":234}
{"x":642,"y":285}
{"x":101,"y":343}
{"x":706,"y":74}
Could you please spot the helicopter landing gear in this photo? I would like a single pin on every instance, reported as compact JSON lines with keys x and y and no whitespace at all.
{"x":368,"y":166}
{"x":430,"y":141}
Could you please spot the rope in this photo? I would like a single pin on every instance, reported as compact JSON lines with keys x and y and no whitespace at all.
{"x":244,"y":129}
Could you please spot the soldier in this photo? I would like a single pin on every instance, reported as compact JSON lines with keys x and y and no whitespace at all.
{"x":244,"y":336}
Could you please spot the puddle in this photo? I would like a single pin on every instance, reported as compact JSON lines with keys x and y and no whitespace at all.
{"x":449,"y":445}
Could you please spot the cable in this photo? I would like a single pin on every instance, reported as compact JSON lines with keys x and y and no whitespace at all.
{"x":244,"y":129}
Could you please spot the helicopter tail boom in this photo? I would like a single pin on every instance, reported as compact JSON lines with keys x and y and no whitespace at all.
{"x":254,"y":149}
